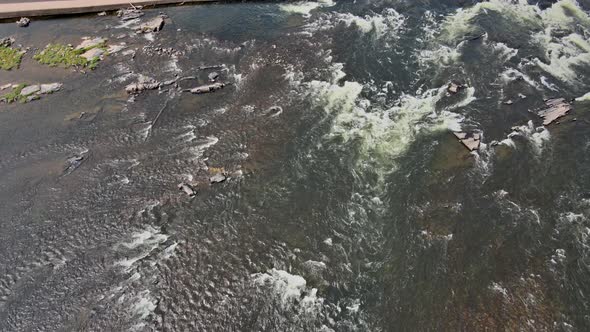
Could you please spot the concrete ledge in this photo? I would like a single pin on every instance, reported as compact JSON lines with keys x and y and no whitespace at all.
{"x":71,"y":7}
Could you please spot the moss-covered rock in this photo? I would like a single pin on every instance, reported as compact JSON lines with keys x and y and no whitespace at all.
{"x":67,"y":56}
{"x":14,"y":95}
{"x":10,"y":58}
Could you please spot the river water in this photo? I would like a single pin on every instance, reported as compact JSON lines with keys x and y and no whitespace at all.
{"x":349,"y":204}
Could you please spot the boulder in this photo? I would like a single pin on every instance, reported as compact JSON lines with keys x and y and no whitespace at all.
{"x":556,"y":108}
{"x":153,"y":25}
{"x":6,"y":86}
{"x":23,"y":22}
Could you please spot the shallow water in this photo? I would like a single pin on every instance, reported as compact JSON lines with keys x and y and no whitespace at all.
{"x":351,"y":207}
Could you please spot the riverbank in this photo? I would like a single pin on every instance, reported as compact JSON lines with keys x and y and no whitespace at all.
{"x":71,"y":7}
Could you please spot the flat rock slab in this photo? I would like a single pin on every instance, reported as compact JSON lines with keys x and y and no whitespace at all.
{"x":116,"y":48}
{"x":217,"y":178}
{"x":207,"y":88}
{"x":153,"y":25}
{"x":556,"y":108}
{"x":50,"y":88}
{"x":93,"y":53}
{"x":471,"y":141}
{"x":91,"y":43}
{"x":29,"y":90}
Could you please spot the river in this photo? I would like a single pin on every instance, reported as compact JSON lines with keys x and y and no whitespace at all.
{"x":347,"y":205}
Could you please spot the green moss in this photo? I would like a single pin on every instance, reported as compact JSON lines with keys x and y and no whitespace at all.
{"x":15,"y":95}
{"x":10,"y":57}
{"x":63,"y":55}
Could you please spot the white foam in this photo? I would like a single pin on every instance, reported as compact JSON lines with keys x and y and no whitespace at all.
{"x":289,"y":288}
{"x":304,"y":8}
{"x":389,"y":22}
{"x":585,"y":97}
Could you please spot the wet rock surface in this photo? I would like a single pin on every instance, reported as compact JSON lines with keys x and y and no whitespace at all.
{"x":153,"y":25}
{"x":471,"y":141}
{"x":556,"y":108}
{"x":23,"y":22}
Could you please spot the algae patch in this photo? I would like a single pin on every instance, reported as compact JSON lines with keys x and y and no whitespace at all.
{"x":14,"y":95}
{"x":67,"y":56}
{"x":10,"y":58}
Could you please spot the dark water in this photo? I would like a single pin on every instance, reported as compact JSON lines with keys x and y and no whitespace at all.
{"x":350,"y":208}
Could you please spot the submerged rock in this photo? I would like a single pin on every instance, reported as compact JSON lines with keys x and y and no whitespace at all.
{"x":23,"y":22}
{"x":556,"y":108}
{"x":207,"y":88}
{"x":153,"y":25}
{"x":187,"y":189}
{"x":470,"y":140}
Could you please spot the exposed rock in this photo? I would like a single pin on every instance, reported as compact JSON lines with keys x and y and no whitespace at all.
{"x":470,"y":140}
{"x":116,"y":48}
{"x":144,"y":83}
{"x":50,"y":88}
{"x":274,"y":111}
{"x":207,"y":88}
{"x":29,"y":90}
{"x":508,"y":102}
{"x":93,"y":53}
{"x":217,"y":178}
{"x":91,"y":43}
{"x":129,"y":14}
{"x":556,"y":108}
{"x":153,"y":25}
{"x":139,"y":87}
{"x":210,"y":67}
{"x":213,"y":76}
{"x":23,"y":22}
{"x":6,"y":86}
{"x":102,"y":14}
{"x":6,"y":42}
{"x":73,"y":163}
{"x":453,"y":88}
{"x":187,"y":189}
